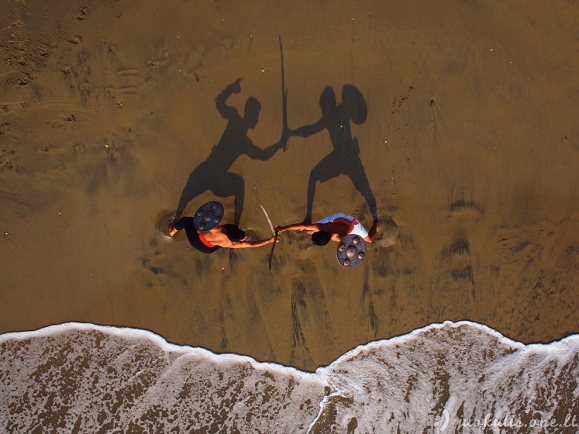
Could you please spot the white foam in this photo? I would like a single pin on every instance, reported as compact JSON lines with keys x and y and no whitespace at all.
{"x":87,"y":377}
{"x":467,"y":370}
{"x":123,"y":378}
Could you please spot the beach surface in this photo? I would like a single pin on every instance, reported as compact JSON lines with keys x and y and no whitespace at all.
{"x":470,"y":144}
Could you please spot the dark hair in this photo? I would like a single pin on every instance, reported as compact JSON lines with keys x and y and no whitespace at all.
{"x":321,"y":238}
{"x":233,"y":232}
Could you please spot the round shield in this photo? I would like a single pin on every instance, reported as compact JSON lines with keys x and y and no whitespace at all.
{"x":351,"y":251}
{"x":208,"y":216}
{"x":354,"y":104}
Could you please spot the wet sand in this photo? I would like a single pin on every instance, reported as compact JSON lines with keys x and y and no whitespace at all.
{"x":470,"y":146}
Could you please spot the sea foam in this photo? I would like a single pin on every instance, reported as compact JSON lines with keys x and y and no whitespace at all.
{"x":442,"y":378}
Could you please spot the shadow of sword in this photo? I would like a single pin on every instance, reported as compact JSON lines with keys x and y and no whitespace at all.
{"x":285,"y":129}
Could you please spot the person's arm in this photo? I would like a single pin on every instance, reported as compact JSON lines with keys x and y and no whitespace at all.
{"x":224,"y":110}
{"x":373,"y":231}
{"x":298,"y":227}
{"x":308,"y":130}
{"x":249,"y":244}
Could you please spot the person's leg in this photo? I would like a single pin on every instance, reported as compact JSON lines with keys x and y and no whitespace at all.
{"x":179,"y":225}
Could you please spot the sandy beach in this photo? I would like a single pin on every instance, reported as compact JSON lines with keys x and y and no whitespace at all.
{"x":470,"y":146}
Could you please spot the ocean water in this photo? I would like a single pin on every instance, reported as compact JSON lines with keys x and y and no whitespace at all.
{"x":448,"y":378}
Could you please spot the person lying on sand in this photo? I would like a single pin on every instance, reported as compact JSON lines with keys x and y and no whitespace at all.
{"x":334,"y":227}
{"x":226,"y":236}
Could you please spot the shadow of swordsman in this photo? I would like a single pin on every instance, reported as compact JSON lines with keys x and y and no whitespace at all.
{"x":213,"y":174}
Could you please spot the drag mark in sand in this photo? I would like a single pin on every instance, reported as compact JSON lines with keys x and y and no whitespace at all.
{"x":263,"y":301}
{"x":437,"y":127}
{"x":156,"y":266}
{"x":457,"y":254}
{"x":299,"y":315}
{"x":456,"y":262}
{"x":312,"y":326}
{"x":367,"y":301}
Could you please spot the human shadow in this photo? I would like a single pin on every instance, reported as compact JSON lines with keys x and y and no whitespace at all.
{"x":213,"y":174}
{"x":345,"y":158}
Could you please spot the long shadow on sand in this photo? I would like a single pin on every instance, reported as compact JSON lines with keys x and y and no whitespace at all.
{"x":213,"y":174}
{"x":345,"y":158}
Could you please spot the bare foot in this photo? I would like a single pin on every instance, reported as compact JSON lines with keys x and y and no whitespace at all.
{"x":172,"y":229}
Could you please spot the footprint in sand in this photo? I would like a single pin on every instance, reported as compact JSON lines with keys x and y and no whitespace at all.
{"x":5,"y":129}
{"x":156,"y":64}
{"x":389,"y":234}
{"x":125,"y":81}
{"x":162,"y":222}
{"x":154,"y":68}
{"x":156,"y":268}
{"x":462,"y":208}
{"x":193,"y":63}
{"x":63,"y":121}
{"x":77,"y":79}
{"x":6,"y":160}
{"x":517,"y":252}
{"x":100,"y":72}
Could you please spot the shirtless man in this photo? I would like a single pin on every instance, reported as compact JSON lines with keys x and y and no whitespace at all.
{"x":334,"y":227}
{"x":222,"y":236}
